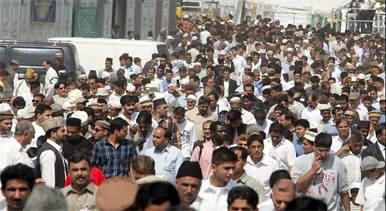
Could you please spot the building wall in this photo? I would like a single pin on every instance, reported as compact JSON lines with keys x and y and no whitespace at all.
{"x":16,"y":24}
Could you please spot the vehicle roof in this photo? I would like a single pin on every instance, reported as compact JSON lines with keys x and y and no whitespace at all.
{"x":103,"y":40}
{"x":34,"y":44}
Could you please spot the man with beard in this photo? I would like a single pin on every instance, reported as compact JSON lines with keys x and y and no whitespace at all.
{"x":188,"y":182}
{"x":80,"y":195}
{"x":74,"y":140}
{"x":114,"y":154}
{"x":16,"y":185}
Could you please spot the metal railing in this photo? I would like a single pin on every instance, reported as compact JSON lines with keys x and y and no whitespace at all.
{"x":356,"y":21}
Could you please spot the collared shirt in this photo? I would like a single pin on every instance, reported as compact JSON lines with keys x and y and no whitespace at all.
{"x":167,"y":162}
{"x":198,"y":120}
{"x":80,"y":201}
{"x":262,"y":171}
{"x":187,"y":137}
{"x":205,"y":158}
{"x":251,"y":182}
{"x":328,"y":184}
{"x":283,"y":152}
{"x":371,"y":194}
{"x":313,"y":116}
{"x":39,"y":131}
{"x":114,"y":161}
{"x":11,"y":153}
{"x":353,"y":166}
{"x":266,"y":205}
{"x":212,"y":198}
{"x":337,"y":143}
{"x":298,"y":144}
{"x":47,"y":162}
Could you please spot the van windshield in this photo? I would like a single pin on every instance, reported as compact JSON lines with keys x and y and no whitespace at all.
{"x":34,"y":56}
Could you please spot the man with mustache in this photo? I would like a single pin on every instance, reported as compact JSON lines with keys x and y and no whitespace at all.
{"x":80,"y":195}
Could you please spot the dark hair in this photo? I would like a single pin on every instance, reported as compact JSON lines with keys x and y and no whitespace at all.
{"x":203,"y":100}
{"x":19,"y":171}
{"x":244,"y":193}
{"x":144,"y":116}
{"x":233,"y":115}
{"x":117,"y":124}
{"x":323,"y":140}
{"x":255,"y":137}
{"x":78,"y":156}
{"x":278,"y":175}
{"x":179,"y":110}
{"x":381,"y":127}
{"x":302,"y":122}
{"x":244,"y":152}
{"x":143,"y":164}
{"x":222,"y":155}
{"x":41,"y":108}
{"x":57,"y":85}
{"x":18,"y":102}
{"x":156,"y":193}
{"x":305,"y":203}
{"x":128,"y":99}
{"x":249,"y":85}
{"x":276,"y":127}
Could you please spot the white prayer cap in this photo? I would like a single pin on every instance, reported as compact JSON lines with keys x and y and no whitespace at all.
{"x":115,"y":104}
{"x":26,"y":113}
{"x":102,"y":92}
{"x":192,"y":97}
{"x":130,"y":87}
{"x":235,"y":99}
{"x":184,"y":81}
{"x":82,"y":116}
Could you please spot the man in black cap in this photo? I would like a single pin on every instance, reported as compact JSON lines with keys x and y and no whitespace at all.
{"x":74,"y":140}
{"x":188,"y":182}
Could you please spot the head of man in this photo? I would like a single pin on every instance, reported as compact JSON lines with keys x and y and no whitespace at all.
{"x":188,"y":181}
{"x":118,"y":129}
{"x":144,"y":121}
{"x":6,"y":122}
{"x":203,"y":105}
{"x":380,"y":132}
{"x":60,"y":89}
{"x":55,"y":129}
{"x":242,"y":154}
{"x":323,"y":142}
{"x":283,"y":192}
{"x":100,"y":130}
{"x":213,"y":98}
{"x":233,"y":119}
{"x":156,"y":196}
{"x":235,"y":103}
{"x":17,"y":182}
{"x":38,"y":99}
{"x":356,"y":142}
{"x":142,"y":166}
{"x":372,"y":167}
{"x":242,"y":198}
{"x":275,"y":132}
{"x":109,"y":63}
{"x":160,"y":107}
{"x":73,"y":127}
{"x":161,"y":138}
{"x":128,"y":103}
{"x":255,"y":145}
{"x":223,"y":165}
{"x":179,"y":114}
{"x":343,"y":128}
{"x":79,"y":166}
{"x":301,"y":127}
{"x":312,"y":101}
{"x":24,"y":132}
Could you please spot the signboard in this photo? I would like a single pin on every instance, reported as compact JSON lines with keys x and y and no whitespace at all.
{"x":43,"y":10}
{"x":85,"y":24}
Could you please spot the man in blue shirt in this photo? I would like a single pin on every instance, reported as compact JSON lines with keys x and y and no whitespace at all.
{"x":114,"y":154}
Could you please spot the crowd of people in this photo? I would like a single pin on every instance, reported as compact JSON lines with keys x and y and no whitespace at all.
{"x":251,"y":116}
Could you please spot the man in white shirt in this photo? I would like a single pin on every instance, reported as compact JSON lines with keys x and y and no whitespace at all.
{"x":259,"y":165}
{"x":50,"y":78}
{"x":6,"y":117}
{"x":51,"y":164}
{"x":283,"y":192}
{"x":167,"y":158}
{"x":12,"y":151}
{"x":186,"y":135}
{"x":42,"y":113}
{"x":312,"y":113}
{"x":214,"y":191}
{"x":280,"y":148}
{"x":351,"y":157}
{"x":371,"y":195}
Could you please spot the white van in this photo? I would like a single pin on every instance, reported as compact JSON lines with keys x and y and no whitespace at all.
{"x":92,"y":52}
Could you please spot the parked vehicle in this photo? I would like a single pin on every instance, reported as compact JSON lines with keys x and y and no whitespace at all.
{"x":93,"y":51}
{"x":32,"y":55}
